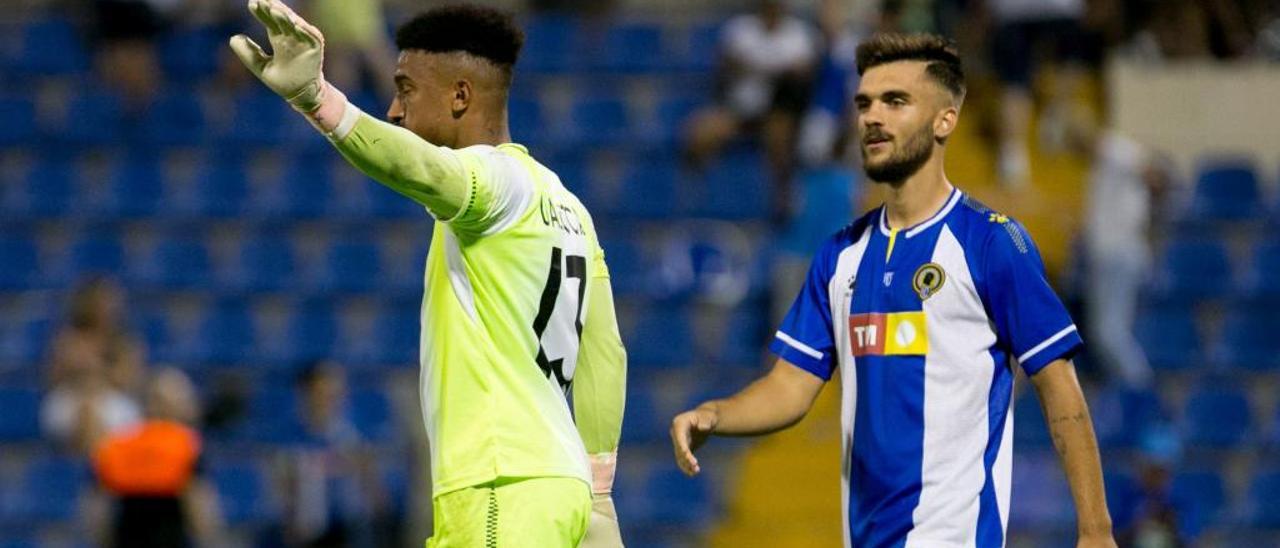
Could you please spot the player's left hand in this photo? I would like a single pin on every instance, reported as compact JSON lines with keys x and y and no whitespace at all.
{"x":294,"y":68}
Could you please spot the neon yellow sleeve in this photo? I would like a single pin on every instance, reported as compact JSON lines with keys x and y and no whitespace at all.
{"x":439,"y":178}
{"x":600,"y":384}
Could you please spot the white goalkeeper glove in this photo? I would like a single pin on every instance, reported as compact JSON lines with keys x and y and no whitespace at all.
{"x":294,"y":68}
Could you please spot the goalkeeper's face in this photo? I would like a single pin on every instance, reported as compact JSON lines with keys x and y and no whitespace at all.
{"x":443,"y":97}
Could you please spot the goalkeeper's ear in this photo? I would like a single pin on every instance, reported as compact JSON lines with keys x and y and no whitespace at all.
{"x":250,"y":53}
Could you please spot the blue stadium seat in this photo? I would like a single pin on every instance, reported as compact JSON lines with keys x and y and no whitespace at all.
{"x":1122,"y":416}
{"x":1227,"y":191}
{"x":21,"y":418}
{"x":52,"y":489}
{"x":627,"y":267}
{"x":312,"y":332}
{"x":52,"y":47}
{"x":630,"y":48}
{"x":304,"y":192}
{"x":1041,"y":493}
{"x":702,"y":47}
{"x":190,"y":54}
{"x":227,"y":334}
{"x":645,"y":421}
{"x":354,"y":265}
{"x":601,"y":120}
{"x":673,"y":114}
{"x":389,"y":204}
{"x":259,"y":118}
{"x":1169,"y":337}
{"x":526,"y":120}
{"x":240,"y":492}
{"x":221,"y":189}
{"x":94,"y":118}
{"x":1264,"y":505}
{"x":1217,"y":417}
{"x":175,"y":118}
{"x":180,"y":263}
{"x":677,"y":501}
{"x":1202,"y":494}
{"x":267,"y":263}
{"x":137,"y":189}
{"x":97,"y":253}
{"x":20,"y":255}
{"x":736,"y":187}
{"x":1029,"y":428}
{"x":748,"y":331}
{"x":650,"y":187}
{"x":661,"y":337}
{"x":398,"y":328}
{"x":371,"y":414}
{"x":1264,"y":284}
{"x":17,"y":120}
{"x":574,"y":173}
{"x":549,"y":43}
{"x":1196,"y":269}
{"x":29,"y":339}
{"x":47,"y":191}
{"x":1249,"y":339}
{"x":1123,"y":496}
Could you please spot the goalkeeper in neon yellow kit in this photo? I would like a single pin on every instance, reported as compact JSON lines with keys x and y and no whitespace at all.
{"x":517,"y":302}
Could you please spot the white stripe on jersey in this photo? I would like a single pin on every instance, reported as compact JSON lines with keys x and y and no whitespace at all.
{"x":839,"y":293}
{"x":802,"y":347}
{"x":1055,"y":338}
{"x":958,"y":373}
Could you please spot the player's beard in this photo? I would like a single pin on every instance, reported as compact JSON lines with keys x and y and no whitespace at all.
{"x":905,"y":161}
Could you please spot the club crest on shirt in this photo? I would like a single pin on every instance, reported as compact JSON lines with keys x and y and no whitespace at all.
{"x":888,"y":278}
{"x":928,"y":280}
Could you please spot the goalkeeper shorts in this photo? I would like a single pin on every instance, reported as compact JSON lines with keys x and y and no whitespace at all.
{"x":547,"y":512}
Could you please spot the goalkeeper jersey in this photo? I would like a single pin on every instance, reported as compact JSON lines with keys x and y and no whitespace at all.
{"x":925,"y":324}
{"x":508,"y":286}
{"x":501,"y":320}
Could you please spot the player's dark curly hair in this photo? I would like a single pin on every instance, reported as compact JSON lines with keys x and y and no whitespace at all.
{"x":941,"y":54}
{"x":480,"y":31}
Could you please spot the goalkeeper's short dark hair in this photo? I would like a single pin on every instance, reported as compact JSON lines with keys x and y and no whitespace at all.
{"x":484,"y":32}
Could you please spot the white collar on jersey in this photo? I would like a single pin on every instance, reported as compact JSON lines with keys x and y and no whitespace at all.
{"x":941,"y":214}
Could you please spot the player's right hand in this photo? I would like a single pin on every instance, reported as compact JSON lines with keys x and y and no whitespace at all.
{"x":689,"y":430}
{"x":293,"y":69}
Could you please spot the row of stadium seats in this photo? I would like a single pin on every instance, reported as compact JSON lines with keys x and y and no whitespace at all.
{"x":1206,"y":498}
{"x":554,"y":44}
{"x":46,"y":492}
{"x":1217,"y":415}
{"x":180,"y":118}
{"x":286,"y":186}
{"x":354,"y":260}
{"x":282,"y":332}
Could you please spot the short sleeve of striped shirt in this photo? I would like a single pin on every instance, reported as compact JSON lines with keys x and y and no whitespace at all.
{"x":805,"y":337}
{"x":1029,"y":317}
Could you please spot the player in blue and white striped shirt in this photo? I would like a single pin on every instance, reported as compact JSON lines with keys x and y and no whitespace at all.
{"x":925,"y":305}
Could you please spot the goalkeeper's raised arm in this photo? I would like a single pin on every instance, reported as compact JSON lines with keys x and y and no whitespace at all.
{"x":421,"y":153}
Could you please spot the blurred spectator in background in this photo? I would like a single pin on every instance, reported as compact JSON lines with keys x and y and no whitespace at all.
{"x":152,"y":473}
{"x":1159,"y":520}
{"x":1189,"y":29}
{"x":125,"y":32}
{"x":330,"y":495}
{"x":95,"y":368}
{"x":356,"y":50}
{"x":766,"y":69}
{"x":1024,"y":32}
{"x":96,"y":337}
{"x":1126,"y":186}
{"x":827,"y":176}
